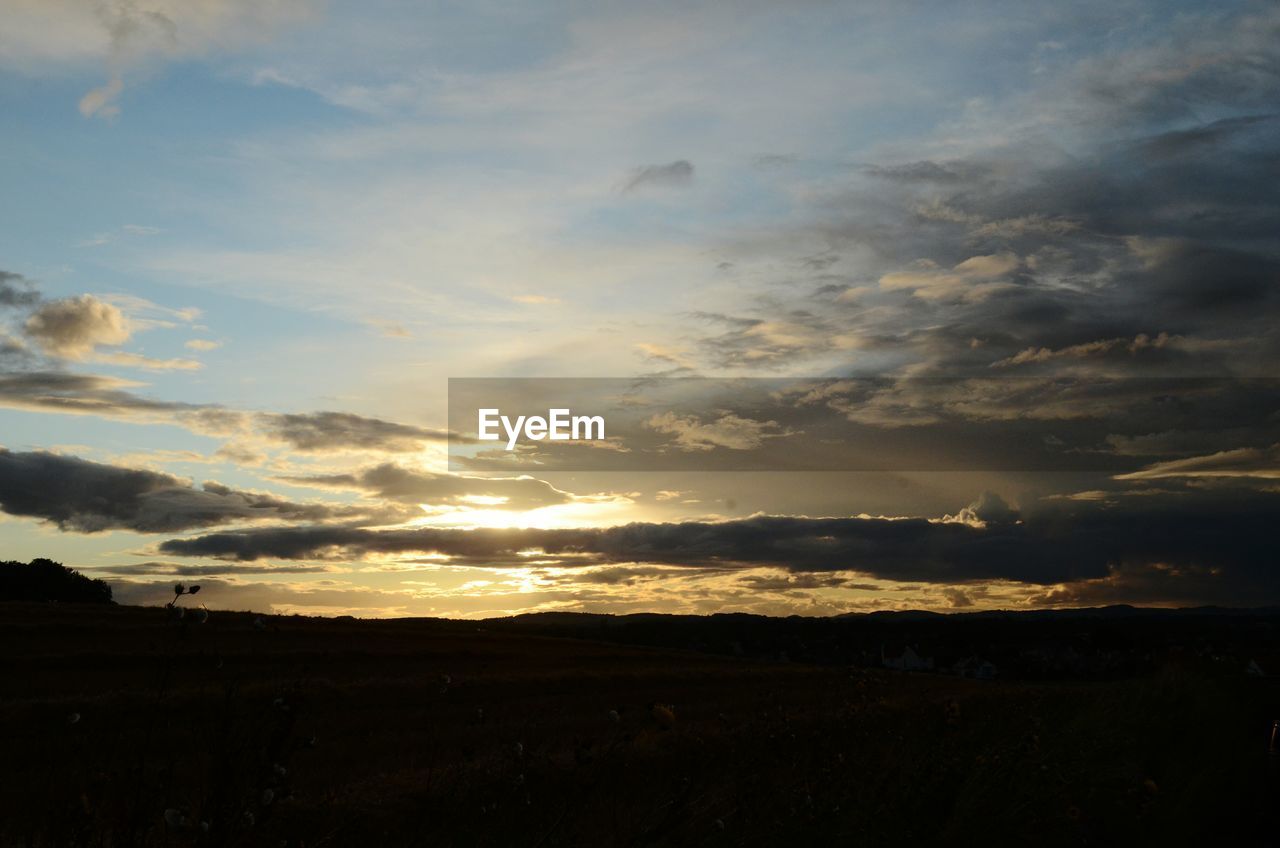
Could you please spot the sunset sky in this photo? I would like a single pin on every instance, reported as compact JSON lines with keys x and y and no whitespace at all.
{"x":247,"y":243}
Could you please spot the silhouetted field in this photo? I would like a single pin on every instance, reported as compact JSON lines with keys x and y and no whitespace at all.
{"x":124,"y":726}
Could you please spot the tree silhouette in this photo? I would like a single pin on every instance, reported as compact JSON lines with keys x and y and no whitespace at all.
{"x":46,"y":580}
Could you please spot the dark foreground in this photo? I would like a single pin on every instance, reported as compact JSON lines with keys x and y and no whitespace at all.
{"x":121,"y":727}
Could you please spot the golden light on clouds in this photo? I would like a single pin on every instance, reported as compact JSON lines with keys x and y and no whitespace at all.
{"x":601,"y":511}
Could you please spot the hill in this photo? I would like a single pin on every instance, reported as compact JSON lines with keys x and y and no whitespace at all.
{"x":1090,"y":643}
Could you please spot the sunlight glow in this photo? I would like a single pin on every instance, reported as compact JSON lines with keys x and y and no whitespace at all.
{"x":584,"y":513}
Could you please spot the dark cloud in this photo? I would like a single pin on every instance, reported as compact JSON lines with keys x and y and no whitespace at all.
{"x":1226,"y":531}
{"x":14,"y":353}
{"x":922,"y":171}
{"x":72,"y":327}
{"x":1040,"y":410}
{"x":240,"y":454}
{"x":321,"y":432}
{"x":788,"y":336}
{"x":671,"y":175}
{"x":1214,"y":134}
{"x":17,"y":290}
{"x":1157,"y":216}
{"x":177,"y":569}
{"x":1202,"y":62}
{"x":81,"y":394}
{"x":622,"y":575}
{"x":110,"y":397}
{"x":88,"y":497}
{"x":1208,"y":286}
{"x":1143,"y":240}
{"x":794,"y":582}
{"x":1161,"y":584}
{"x":1241,"y":462}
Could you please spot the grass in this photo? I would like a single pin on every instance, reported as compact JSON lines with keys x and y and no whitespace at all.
{"x":337,"y":732}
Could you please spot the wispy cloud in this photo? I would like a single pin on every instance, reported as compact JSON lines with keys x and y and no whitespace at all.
{"x":676,"y":174}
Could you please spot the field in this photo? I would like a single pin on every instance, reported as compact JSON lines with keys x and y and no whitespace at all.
{"x":122,"y":726}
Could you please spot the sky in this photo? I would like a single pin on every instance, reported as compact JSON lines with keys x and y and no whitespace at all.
{"x":1024,"y":255}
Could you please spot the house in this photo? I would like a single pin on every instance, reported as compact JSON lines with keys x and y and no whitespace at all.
{"x":1264,"y":664}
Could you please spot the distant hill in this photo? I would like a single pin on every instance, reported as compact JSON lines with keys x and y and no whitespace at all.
{"x":46,"y":580}
{"x":1114,"y":641}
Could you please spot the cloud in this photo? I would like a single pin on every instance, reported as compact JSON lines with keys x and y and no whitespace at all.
{"x":88,"y":394}
{"x":202,"y":344}
{"x":110,"y":397}
{"x":146,"y":363}
{"x":17,"y":290}
{"x":1148,"y":251}
{"x":793,"y":582}
{"x":74,"y":328}
{"x":663,"y":354}
{"x":412,"y":486}
{"x":1226,"y":534}
{"x":89,"y":497}
{"x":725,"y":431}
{"x":1100,"y":208}
{"x":130,"y":36}
{"x":322,"y":432}
{"x":989,"y":508}
{"x":1109,"y":221}
{"x":1087,"y":349}
{"x":71,"y":328}
{"x":390,"y":329}
{"x":973,"y":279}
{"x":1157,"y":584}
{"x":146,"y":315}
{"x":923,"y":171}
{"x":787,"y":336}
{"x":14,"y":352}
{"x":621,"y":575}
{"x":239,"y":454}
{"x":179,"y":569}
{"x":100,"y":101}
{"x":1241,"y":462}
{"x":676,"y":174}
